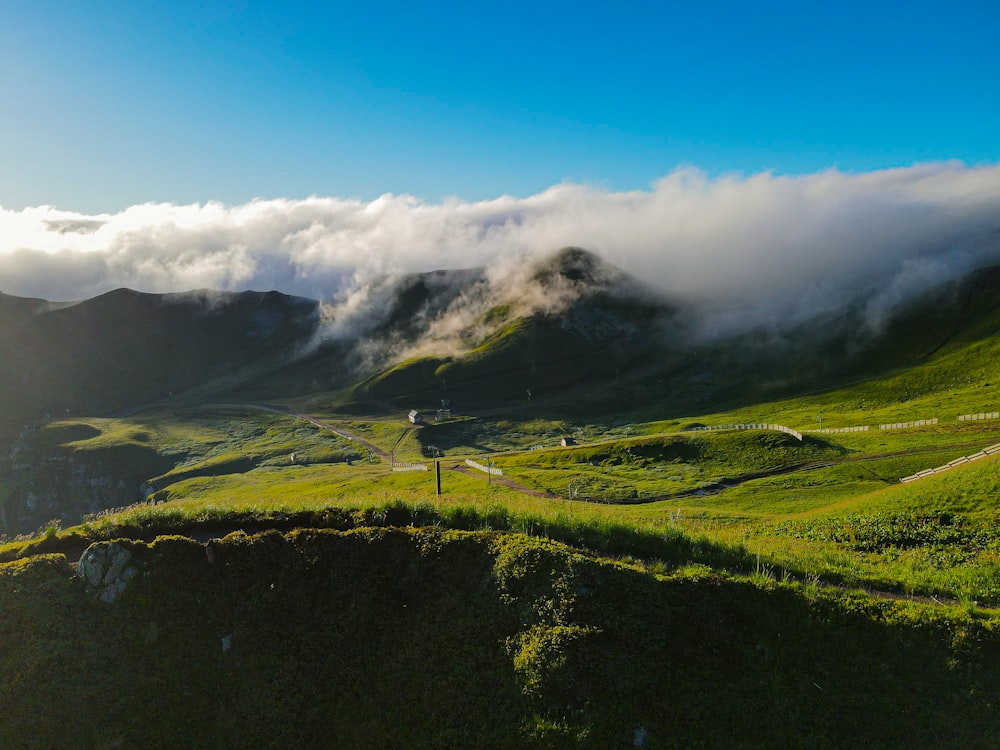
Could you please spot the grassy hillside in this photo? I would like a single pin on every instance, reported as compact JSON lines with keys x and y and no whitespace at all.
{"x":654,"y":585}
{"x":427,"y":638}
{"x":73,"y":467}
{"x":125,"y":348}
{"x":16,"y":310}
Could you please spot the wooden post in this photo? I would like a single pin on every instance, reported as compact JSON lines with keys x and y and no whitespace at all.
{"x":437,"y":473}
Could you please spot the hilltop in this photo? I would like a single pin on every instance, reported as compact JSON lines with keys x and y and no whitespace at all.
{"x":566,"y":323}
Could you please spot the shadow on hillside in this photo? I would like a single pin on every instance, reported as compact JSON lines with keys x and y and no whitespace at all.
{"x":671,"y":547}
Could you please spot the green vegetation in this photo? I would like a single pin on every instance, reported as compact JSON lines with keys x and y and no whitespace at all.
{"x":744,"y":490}
{"x":474,"y":639}
{"x":650,"y":586}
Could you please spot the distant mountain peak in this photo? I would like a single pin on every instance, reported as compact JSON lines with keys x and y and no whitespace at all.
{"x":576,"y":265}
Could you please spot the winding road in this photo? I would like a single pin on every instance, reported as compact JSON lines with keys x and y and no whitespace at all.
{"x":712,"y":488}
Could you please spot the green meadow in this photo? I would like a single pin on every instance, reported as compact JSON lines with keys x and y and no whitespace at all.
{"x":764,"y":494}
{"x":286,"y":573}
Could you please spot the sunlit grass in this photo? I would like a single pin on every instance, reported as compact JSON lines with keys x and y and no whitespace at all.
{"x":231,"y":463}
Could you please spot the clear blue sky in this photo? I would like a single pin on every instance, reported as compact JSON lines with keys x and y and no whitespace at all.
{"x":107,"y":104}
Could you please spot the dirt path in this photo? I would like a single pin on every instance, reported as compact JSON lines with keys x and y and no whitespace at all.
{"x":339,"y":431}
{"x":728,"y":483}
{"x":714,"y":488}
{"x":469,"y":471}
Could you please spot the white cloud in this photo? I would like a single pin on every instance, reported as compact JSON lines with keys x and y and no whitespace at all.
{"x":757,"y":249}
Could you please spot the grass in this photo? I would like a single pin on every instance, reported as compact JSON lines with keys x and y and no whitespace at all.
{"x":474,"y":639}
{"x":748,"y":584}
{"x":737,"y":532}
{"x":956,"y":382}
{"x":937,"y":535}
{"x":700,"y":589}
{"x":201,"y":437}
{"x":232,"y":462}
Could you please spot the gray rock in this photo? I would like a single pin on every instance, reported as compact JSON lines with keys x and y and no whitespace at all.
{"x":91,"y":567}
{"x":117,"y":559}
{"x":640,"y":736}
{"x":105,"y":569}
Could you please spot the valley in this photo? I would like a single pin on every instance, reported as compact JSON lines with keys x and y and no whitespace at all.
{"x":637,"y":573}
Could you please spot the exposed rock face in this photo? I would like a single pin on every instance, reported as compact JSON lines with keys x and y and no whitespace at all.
{"x":105,"y":568}
{"x":43,"y":483}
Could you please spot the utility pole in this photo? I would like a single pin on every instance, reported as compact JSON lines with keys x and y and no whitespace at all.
{"x":437,"y":474}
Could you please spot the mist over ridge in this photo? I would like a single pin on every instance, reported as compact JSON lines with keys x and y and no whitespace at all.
{"x":743,"y":251}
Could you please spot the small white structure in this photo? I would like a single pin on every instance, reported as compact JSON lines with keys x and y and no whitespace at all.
{"x":567,"y":441}
{"x":415,"y":417}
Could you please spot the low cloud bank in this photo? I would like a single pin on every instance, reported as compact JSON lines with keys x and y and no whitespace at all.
{"x":744,"y":251}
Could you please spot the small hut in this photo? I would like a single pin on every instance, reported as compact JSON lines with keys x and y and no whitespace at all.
{"x":415,"y":417}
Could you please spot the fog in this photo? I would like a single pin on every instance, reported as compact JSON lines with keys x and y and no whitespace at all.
{"x":742,"y":251}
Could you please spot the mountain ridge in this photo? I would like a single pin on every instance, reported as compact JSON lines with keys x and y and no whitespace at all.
{"x":566,"y":321}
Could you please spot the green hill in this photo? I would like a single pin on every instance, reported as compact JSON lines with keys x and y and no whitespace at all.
{"x":125,"y":348}
{"x":423,"y":638}
{"x":616,"y":343}
{"x":650,"y":564}
{"x":16,"y":310}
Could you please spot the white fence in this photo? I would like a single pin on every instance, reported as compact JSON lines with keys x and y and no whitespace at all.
{"x":952,"y":464}
{"x":905,"y":425}
{"x":835,"y":430}
{"x":493,"y":470}
{"x":399,"y":466}
{"x":981,"y":415}
{"x":753,"y":426}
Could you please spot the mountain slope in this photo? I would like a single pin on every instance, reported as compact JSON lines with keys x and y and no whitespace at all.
{"x":570,"y":319}
{"x":570,"y":329}
{"x":399,"y":638}
{"x":16,"y":310}
{"x":124,"y":347}
{"x":605,"y":341}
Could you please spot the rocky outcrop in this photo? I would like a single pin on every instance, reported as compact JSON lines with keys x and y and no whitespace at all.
{"x":104,"y":566}
{"x":44,"y":482}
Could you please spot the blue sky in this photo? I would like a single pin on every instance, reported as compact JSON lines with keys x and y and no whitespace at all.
{"x":110,"y":104}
